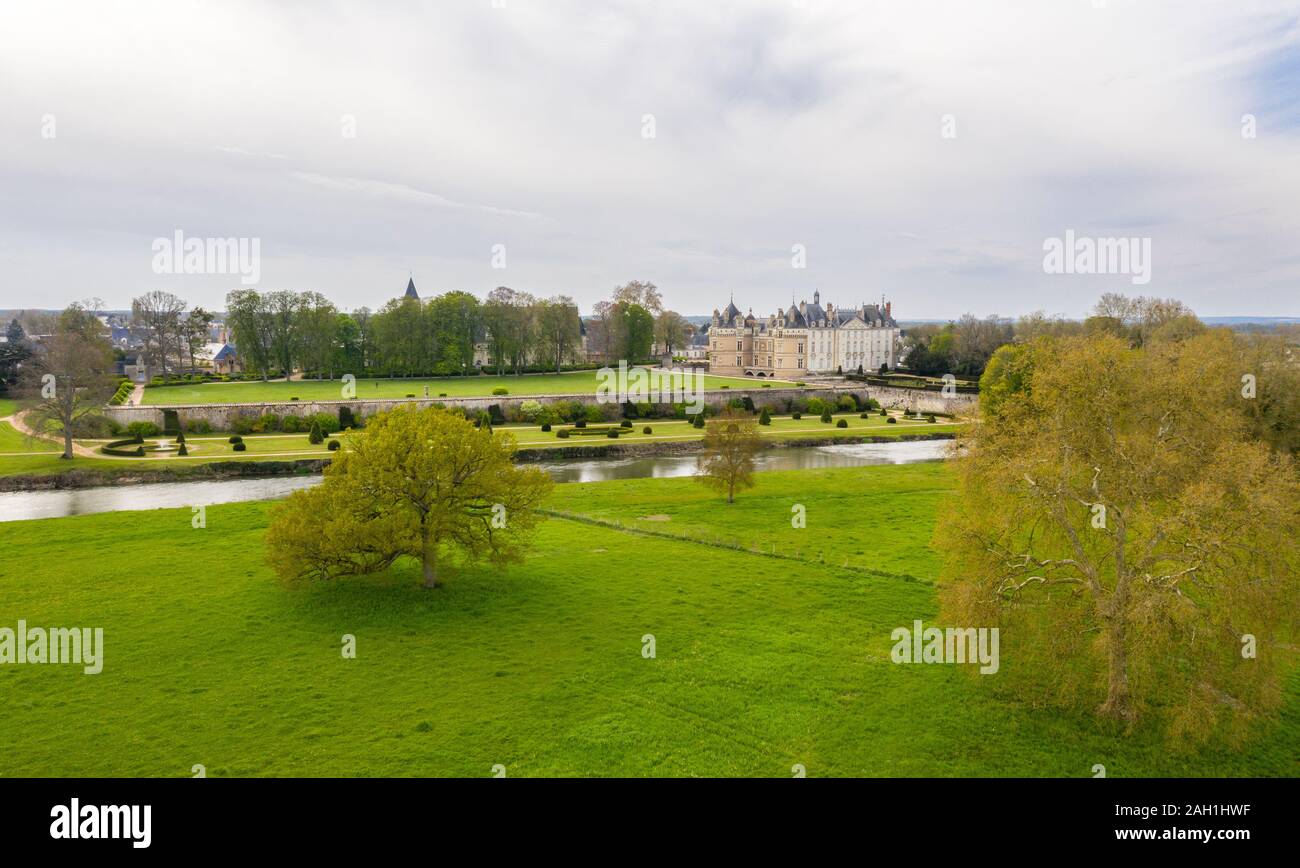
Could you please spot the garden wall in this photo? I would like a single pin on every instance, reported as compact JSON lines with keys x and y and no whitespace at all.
{"x":221,"y":416}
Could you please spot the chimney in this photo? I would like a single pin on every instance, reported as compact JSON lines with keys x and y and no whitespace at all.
{"x":888,"y":305}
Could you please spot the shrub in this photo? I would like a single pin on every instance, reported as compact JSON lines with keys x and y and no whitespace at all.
{"x":863,"y":415}
{"x":333,"y":445}
{"x":796,"y":415}
{"x":410,"y":394}
{"x":530,"y":410}
{"x":884,"y":412}
{"x":891,"y":420}
{"x":316,"y":436}
{"x":546,"y":426}
{"x":563,"y":433}
{"x":626,"y":423}
{"x":141,"y":430}
{"x":842,"y":423}
{"x":182,"y":452}
{"x":764,"y":417}
{"x":594,"y":413}
{"x":580,"y":423}
{"x":346,"y":419}
{"x":291,"y":424}
{"x":724,"y":387}
{"x":500,"y":390}
{"x":931,"y":418}
{"x":647,"y":430}
{"x":294,"y":398}
{"x":242,"y":425}
{"x":239,"y":447}
{"x":826,"y":415}
{"x":699,"y":420}
{"x":235,"y":438}
{"x":612,"y":433}
{"x":199,"y":426}
{"x":847,"y":402}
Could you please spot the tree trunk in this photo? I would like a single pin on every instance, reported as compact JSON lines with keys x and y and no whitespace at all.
{"x":1117,"y":702}
{"x":67,"y":442}
{"x":430,"y":568}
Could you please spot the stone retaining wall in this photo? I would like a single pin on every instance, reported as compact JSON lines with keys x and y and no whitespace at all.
{"x":221,"y":416}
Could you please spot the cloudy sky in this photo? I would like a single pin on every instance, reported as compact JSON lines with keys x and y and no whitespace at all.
{"x":920,"y":150}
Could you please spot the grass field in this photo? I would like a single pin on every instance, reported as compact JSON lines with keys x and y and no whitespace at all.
{"x":576,"y":382}
{"x":16,"y":457}
{"x":761,"y":663}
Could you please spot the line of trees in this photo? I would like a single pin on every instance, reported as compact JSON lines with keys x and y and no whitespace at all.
{"x":964,"y":347}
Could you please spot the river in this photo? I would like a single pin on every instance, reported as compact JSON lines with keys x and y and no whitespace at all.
{"x":18,"y":506}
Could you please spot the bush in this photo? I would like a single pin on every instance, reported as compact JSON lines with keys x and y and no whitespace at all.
{"x":199,"y":426}
{"x":141,"y":430}
{"x":891,"y":420}
{"x":863,"y":415}
{"x":931,"y":418}
{"x":580,"y":423}
{"x":847,"y":402}
{"x":796,"y":415}
{"x":626,"y":423}
{"x":612,"y":433}
{"x":235,"y":438}
{"x":842,"y":423}
{"x":346,"y":419}
{"x":826,"y":415}
{"x":764,"y":417}
{"x":530,"y":410}
{"x":291,"y":424}
{"x":884,"y":412}
{"x":647,"y":430}
{"x":442,"y":394}
{"x":500,"y":390}
{"x":699,"y":420}
{"x":546,"y":426}
{"x":182,"y":452}
{"x":294,"y":398}
{"x":333,"y":445}
{"x":563,"y":433}
{"x":410,"y":394}
{"x":316,"y":436}
{"x":239,"y":447}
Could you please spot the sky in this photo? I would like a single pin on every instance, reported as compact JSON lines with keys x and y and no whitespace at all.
{"x":922,"y":151}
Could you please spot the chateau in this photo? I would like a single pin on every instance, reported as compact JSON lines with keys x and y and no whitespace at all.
{"x":807,"y":339}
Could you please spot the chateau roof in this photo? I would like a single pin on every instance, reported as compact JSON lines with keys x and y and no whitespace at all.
{"x":731,"y":312}
{"x":410,"y":289}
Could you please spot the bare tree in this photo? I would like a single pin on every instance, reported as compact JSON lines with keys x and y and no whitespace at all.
{"x":158,"y":313}
{"x":71,"y":375}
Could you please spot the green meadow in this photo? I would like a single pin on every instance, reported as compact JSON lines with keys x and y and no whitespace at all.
{"x":761,"y":662}
{"x":250,"y":391}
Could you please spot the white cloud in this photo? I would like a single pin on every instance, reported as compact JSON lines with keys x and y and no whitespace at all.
{"x":775,"y":125}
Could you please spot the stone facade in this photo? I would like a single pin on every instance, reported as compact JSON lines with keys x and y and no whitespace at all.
{"x":806,"y":339}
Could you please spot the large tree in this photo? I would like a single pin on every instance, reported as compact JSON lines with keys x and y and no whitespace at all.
{"x":420,"y":483}
{"x":1132,"y":537}
{"x":250,"y":322}
{"x":731,"y":441}
{"x":70,"y":376}
{"x":159,"y":315}
{"x":558,"y":329}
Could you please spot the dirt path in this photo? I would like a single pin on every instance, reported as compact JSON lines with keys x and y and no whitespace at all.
{"x":20,"y":425}
{"x":137,"y":395}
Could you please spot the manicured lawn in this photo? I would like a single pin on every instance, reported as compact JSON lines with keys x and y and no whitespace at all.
{"x":577,"y":382}
{"x":761,"y":663}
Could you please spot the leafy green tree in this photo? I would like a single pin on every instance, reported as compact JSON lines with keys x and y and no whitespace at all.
{"x":638,"y":331}
{"x":418,"y":483}
{"x":1132,"y":533}
{"x":731,"y":440}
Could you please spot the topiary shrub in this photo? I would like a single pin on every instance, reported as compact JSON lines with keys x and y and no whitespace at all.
{"x":796,"y":415}
{"x":240,"y":446}
{"x":546,"y":426}
{"x":891,"y":420}
{"x":626,"y":423}
{"x":699,"y":420}
{"x":863,"y":415}
{"x":580,"y":423}
{"x":842,"y":423}
{"x":235,"y":438}
{"x":563,"y":433}
{"x":612,"y":433}
{"x":826,"y":415}
{"x":884,"y":412}
{"x":333,"y":445}
{"x":182,"y":452}
{"x":316,"y":436}
{"x":410,"y":394}
{"x":931,"y":418}
{"x":500,"y":390}
{"x":647,"y":430}
{"x":764,"y":417}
